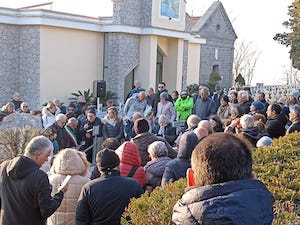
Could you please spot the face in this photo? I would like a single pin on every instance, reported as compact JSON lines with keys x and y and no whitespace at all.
{"x":240,"y":98}
{"x":109,"y":104}
{"x":141,"y":97}
{"x":232,"y":97}
{"x":161,"y":87}
{"x":17,"y":97}
{"x":10,"y":109}
{"x":41,"y":157}
{"x":61,"y":123}
{"x":173,"y":95}
{"x":270,"y":113}
{"x":252,"y":108}
{"x":213,"y":123}
{"x":111,"y":114}
{"x":91,"y":117}
{"x":261,"y":97}
{"x":150,"y":92}
{"x":52,"y":109}
{"x":222,"y":102}
{"x":233,"y":113}
{"x":293,"y":116}
{"x":137,"y":85}
{"x":25,"y":108}
{"x":203,"y":94}
{"x":56,"y":102}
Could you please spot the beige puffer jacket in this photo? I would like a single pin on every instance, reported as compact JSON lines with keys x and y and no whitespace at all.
{"x":68,"y":162}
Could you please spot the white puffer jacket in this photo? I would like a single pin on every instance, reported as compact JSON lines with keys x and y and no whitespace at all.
{"x":68,"y":162}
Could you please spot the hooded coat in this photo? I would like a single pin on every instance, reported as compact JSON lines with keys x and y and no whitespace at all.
{"x":245,"y":202}
{"x":74,"y":163}
{"x":129,"y":157}
{"x":25,"y":191}
{"x":176,"y":168}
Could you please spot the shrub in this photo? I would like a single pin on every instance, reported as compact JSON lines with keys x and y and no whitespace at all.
{"x":14,"y":140}
{"x":277,"y":166}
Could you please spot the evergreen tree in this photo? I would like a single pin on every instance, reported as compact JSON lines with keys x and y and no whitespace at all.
{"x":292,"y":39}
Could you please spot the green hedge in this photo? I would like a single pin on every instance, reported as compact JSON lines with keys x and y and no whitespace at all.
{"x":277,"y":166}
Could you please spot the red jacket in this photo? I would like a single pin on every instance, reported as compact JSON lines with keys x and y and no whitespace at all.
{"x":129,"y":157}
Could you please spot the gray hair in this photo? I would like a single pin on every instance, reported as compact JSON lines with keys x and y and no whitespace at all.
{"x":296,"y":109}
{"x":72,"y":120}
{"x":244,"y":95}
{"x":60,"y":117}
{"x":163,"y":118}
{"x":158,"y":149}
{"x":24,"y":104}
{"x":38,"y":144}
{"x":192,"y":121}
{"x":205,"y":89}
{"x":247,"y":121}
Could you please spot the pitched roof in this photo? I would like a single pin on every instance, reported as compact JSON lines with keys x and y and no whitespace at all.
{"x":217,"y":5}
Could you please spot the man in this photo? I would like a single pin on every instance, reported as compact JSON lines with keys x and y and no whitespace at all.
{"x":25,"y":191}
{"x":217,"y":95}
{"x":137,"y":89}
{"x":16,"y":99}
{"x":262,"y":99}
{"x":274,"y":126}
{"x":295,"y":119}
{"x":243,"y":101}
{"x":87,"y":132}
{"x":102,"y":201}
{"x":184,"y":106}
{"x":204,"y":106}
{"x":72,"y":134}
{"x":134,"y":104}
{"x":156,"y":98}
{"x":223,"y":193}
{"x":58,"y":125}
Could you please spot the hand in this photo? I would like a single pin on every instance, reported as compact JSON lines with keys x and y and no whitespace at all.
{"x":86,"y":126}
{"x":65,"y":188}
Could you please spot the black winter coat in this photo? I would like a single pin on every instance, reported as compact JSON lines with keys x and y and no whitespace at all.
{"x":102,"y":201}
{"x":25,"y":193}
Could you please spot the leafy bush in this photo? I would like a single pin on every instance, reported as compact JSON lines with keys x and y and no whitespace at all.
{"x":277,"y":166}
{"x":14,"y":140}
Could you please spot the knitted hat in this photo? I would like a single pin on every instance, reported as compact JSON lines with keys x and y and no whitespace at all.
{"x":141,"y":125}
{"x":107,"y":160}
{"x":258,"y":105}
{"x":164,"y":95}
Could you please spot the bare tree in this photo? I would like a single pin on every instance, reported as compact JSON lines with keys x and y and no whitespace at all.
{"x":245,"y":59}
{"x":291,"y":75}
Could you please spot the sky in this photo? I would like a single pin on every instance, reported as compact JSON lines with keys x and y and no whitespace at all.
{"x":254,"y":21}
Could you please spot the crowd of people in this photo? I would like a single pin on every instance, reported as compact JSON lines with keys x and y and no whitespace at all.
{"x":141,"y":150}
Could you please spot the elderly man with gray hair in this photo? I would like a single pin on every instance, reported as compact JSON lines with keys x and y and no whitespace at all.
{"x":204,"y":105}
{"x":155,"y":168}
{"x":294,"y":118}
{"x":60,"y":121}
{"x":25,"y":192}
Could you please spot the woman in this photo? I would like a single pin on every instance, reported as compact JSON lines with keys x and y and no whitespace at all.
{"x":8,"y":108}
{"x":165,"y":130}
{"x":68,"y":162}
{"x":155,"y":168}
{"x":232,"y":125}
{"x":48,"y":114}
{"x":130,"y":162}
{"x":112,"y":124}
{"x":224,"y":110}
{"x":165,"y":107}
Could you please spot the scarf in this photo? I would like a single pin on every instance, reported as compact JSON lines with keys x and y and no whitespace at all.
{"x":71,"y":135}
